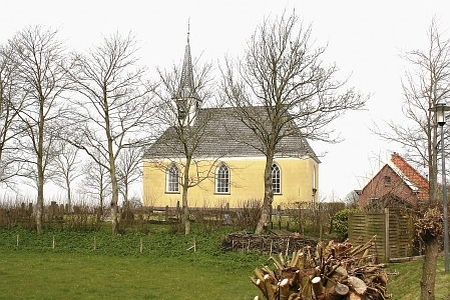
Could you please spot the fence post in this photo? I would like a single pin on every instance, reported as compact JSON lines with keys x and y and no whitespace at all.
{"x":386,"y":233}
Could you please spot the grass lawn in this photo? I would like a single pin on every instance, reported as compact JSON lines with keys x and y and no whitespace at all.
{"x":406,"y":285}
{"x":83,"y":276}
{"x":95,"y":265}
{"x":117,"y":269}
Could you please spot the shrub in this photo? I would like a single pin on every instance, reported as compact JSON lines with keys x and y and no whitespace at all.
{"x":340,"y":222}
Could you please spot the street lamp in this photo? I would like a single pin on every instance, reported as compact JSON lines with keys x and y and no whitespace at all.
{"x":440,"y":110}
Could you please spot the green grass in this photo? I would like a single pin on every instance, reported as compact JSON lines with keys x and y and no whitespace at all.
{"x":117,"y":269}
{"x":83,"y":276}
{"x":165,"y":269}
{"x":406,"y":285}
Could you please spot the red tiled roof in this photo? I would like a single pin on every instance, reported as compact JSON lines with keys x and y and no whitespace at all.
{"x":412,"y":175}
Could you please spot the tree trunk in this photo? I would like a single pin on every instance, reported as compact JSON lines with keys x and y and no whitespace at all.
{"x":40,"y":170}
{"x":102,"y":197}
{"x":40,"y":203}
{"x":114,"y":199}
{"x":264,"y":219}
{"x":115,"y":193}
{"x":112,"y":167}
{"x":125,"y":195}
{"x":427,"y":283}
{"x":114,"y":211}
{"x":185,"y":219}
{"x":69,"y":197}
{"x":185,"y":189}
{"x":184,"y":198}
{"x":40,"y":194}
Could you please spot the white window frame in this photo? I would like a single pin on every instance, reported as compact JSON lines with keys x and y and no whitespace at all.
{"x":173,"y":179}
{"x":222,"y":182}
{"x":276,"y":178}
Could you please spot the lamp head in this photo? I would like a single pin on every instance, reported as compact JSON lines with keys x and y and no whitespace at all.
{"x":440,"y":110}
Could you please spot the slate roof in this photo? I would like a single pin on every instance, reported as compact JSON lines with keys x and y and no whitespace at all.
{"x":224,"y":135}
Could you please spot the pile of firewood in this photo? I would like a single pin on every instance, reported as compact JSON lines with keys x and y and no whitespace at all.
{"x":330,"y":271}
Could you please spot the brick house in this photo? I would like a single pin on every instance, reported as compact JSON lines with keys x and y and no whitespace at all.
{"x":396,"y":185}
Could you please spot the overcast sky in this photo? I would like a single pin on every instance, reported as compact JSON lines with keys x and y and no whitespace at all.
{"x":365,"y":39}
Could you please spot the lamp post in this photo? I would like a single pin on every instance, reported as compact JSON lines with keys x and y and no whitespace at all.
{"x":440,"y":110}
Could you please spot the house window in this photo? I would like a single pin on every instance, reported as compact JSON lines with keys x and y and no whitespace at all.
{"x":276,"y":179}
{"x":172,"y":176}
{"x":387,"y":180}
{"x":222,"y":179}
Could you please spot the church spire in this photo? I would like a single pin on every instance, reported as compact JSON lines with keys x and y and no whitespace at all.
{"x":186,"y":96}
{"x":187,"y":86}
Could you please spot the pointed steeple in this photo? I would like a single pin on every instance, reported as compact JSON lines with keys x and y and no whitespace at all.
{"x":187,"y":87}
{"x":186,"y":96}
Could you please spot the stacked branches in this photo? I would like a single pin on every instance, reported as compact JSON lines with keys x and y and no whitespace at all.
{"x":332,"y":271}
{"x":242,"y":241}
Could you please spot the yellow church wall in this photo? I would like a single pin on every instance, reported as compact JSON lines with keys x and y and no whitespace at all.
{"x":298,"y":179}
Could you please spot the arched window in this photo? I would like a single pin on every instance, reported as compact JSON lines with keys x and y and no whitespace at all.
{"x":172,"y":177}
{"x":276,"y":178}
{"x":222,"y":179}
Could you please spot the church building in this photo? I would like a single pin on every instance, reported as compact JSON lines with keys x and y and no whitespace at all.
{"x":226,"y":167}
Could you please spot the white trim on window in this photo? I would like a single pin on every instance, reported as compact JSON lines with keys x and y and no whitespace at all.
{"x":222,"y":182}
{"x":172,"y":179}
{"x":275,"y":172}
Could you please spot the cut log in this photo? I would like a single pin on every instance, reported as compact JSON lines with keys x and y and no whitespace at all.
{"x":357,"y":284}
{"x":318,"y":288}
{"x":284,"y":289}
{"x":337,"y":292}
{"x":259,"y":283}
{"x":305,"y":286}
{"x":341,"y":271}
{"x":341,"y":289}
{"x":354,"y":296}
{"x":269,"y":287}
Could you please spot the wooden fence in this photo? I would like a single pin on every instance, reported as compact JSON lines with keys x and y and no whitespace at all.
{"x":394,"y":233}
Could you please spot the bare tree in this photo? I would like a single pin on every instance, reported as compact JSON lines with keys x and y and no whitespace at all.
{"x":351,"y":200}
{"x":11,"y":103}
{"x":39,"y":57}
{"x":115,"y":107}
{"x":67,"y":169}
{"x":426,"y":84}
{"x":128,"y":170}
{"x":283,"y":73}
{"x":182,"y":95}
{"x":95,"y":182}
